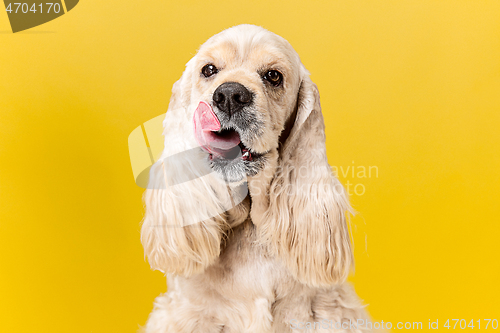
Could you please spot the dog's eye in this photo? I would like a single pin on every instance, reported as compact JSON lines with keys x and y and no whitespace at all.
{"x":274,"y":77}
{"x":209,"y":70}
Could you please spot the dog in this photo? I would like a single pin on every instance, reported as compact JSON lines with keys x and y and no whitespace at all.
{"x":243,"y":212}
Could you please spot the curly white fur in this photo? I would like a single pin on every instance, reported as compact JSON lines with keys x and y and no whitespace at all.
{"x":255,"y":256}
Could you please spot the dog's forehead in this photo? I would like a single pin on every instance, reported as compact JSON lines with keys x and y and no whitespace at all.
{"x":246,"y":45}
{"x":228,"y":53}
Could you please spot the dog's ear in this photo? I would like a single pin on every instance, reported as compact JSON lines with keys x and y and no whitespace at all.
{"x":305,"y":223}
{"x":185,"y":205}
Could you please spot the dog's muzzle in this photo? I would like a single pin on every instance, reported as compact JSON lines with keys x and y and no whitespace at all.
{"x":219,"y":143}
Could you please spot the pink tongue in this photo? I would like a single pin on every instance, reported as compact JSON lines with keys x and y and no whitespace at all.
{"x":205,"y":123}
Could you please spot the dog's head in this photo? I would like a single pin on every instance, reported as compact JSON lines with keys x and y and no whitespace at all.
{"x":247,"y":81}
{"x":246,"y":109}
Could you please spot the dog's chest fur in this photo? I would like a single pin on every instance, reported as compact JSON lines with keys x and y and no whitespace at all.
{"x":240,"y":288}
{"x":247,"y":290}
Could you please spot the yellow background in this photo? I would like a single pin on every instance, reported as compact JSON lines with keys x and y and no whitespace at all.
{"x":412,"y":87}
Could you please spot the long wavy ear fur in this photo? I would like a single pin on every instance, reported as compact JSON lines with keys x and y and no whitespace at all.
{"x":305,"y":223}
{"x":185,"y":205}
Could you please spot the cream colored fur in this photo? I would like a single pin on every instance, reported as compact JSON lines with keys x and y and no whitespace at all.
{"x":258,"y":262}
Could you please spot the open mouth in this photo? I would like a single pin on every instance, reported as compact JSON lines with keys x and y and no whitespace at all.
{"x":226,"y":144}
{"x":227,"y":153}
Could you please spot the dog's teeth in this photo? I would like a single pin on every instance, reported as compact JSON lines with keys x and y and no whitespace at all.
{"x":247,"y":156}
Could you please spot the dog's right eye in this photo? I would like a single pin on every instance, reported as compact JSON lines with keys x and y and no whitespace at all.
{"x":209,"y":70}
{"x":273,"y":77}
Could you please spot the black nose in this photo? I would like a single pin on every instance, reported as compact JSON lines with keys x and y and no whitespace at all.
{"x":231,"y":97}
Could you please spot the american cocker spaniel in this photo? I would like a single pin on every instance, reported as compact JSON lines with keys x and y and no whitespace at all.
{"x":243,"y":213}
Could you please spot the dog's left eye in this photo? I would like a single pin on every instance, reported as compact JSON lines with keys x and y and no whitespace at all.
{"x":273,"y":77}
{"x":209,"y":70}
